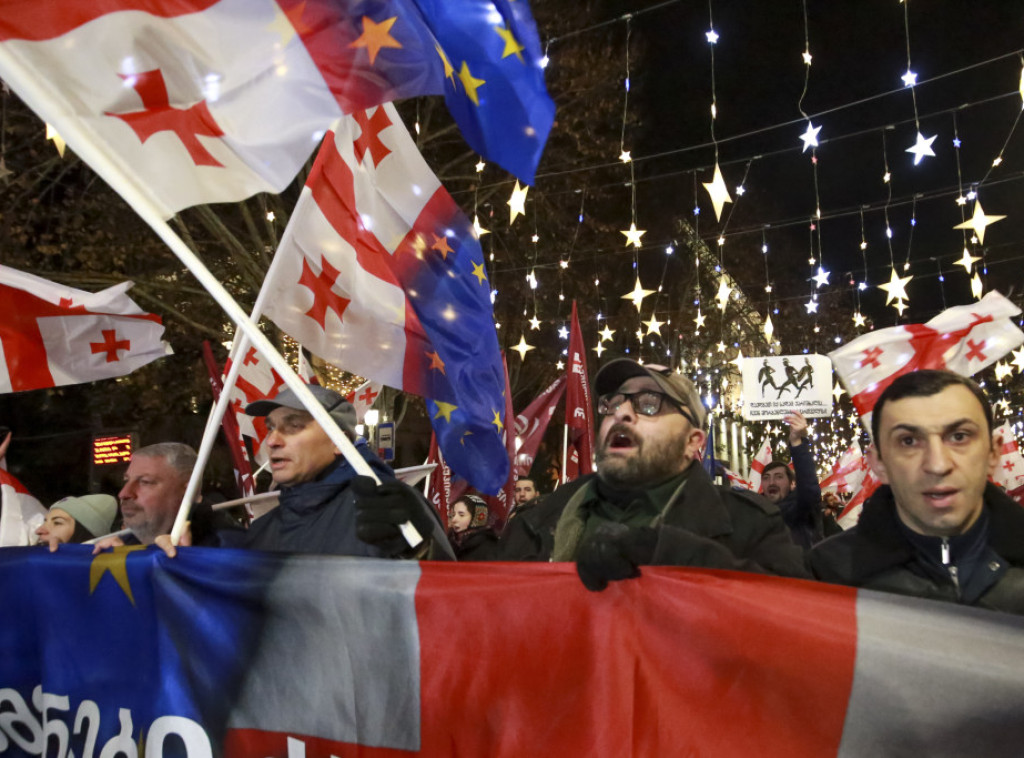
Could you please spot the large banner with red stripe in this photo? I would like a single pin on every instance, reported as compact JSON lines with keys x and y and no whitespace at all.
{"x":248,"y":654}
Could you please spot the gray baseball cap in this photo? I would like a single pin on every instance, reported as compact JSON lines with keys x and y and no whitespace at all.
{"x":340,"y":409}
{"x":611,"y":376}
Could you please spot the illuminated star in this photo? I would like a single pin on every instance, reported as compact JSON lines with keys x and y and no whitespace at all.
{"x":640,"y":335}
{"x":738,"y":361}
{"x":535,"y":323}
{"x":811,"y":305}
{"x":909,"y":78}
{"x":821,"y":278}
{"x":1018,"y":359}
{"x":58,"y":141}
{"x":445,"y":410}
{"x":712,"y":36}
{"x":633,"y":235}
{"x":522,"y":348}
{"x":449,"y":70}
{"x":900,"y":305}
{"x":966,"y":260}
{"x":720,"y":347}
{"x":606,"y":334}
{"x":517,"y":203}
{"x":858,"y":318}
{"x":699,"y":320}
{"x":479,"y":230}
{"x":376,"y":36}
{"x":478,"y":272}
{"x":740,"y":190}
{"x":976,"y":286}
{"x":654,"y":325}
{"x":1003,"y":370}
{"x":961,"y":200}
{"x":512,"y":46}
{"x":979,"y":221}
{"x":886,"y":177}
{"x":837,"y":390}
{"x":724,"y":290}
{"x":922,"y":148}
{"x":807,"y":57}
{"x":625,"y":157}
{"x":810,"y":137}
{"x":769,"y":328}
{"x":560,"y":365}
{"x":718,"y":191}
{"x":470,"y":83}
{"x":599,"y":348}
{"x":114,"y":563}
{"x":894,"y":288}
{"x":480,"y":166}
{"x":563,"y":333}
{"x":638,"y":294}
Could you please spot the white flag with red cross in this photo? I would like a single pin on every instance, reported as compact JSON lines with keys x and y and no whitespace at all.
{"x":256,"y":381}
{"x":52,"y":335}
{"x":762,"y":459}
{"x":735,"y":480}
{"x":20,"y":513}
{"x":847,"y":472}
{"x":363,"y":398}
{"x":1009,"y":472}
{"x":964,"y":339}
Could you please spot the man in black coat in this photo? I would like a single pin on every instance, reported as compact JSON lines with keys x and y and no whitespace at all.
{"x":796,"y":492}
{"x":936,"y":528}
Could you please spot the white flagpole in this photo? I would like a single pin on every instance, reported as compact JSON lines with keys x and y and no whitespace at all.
{"x":33,"y":89}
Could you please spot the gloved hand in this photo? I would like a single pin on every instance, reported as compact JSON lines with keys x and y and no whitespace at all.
{"x":614,"y":552}
{"x":382,"y":508}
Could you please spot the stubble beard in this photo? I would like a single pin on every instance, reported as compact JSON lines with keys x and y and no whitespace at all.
{"x":651,"y":463}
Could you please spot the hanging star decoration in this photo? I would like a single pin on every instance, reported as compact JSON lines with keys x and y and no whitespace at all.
{"x":480,"y":166}
{"x":718,"y":191}
{"x":522,"y":348}
{"x":858,"y":318}
{"x":625,"y":157}
{"x":1003,"y":370}
{"x":922,"y":148}
{"x":699,"y":321}
{"x":535,"y":322}
{"x":837,"y":390}
{"x":720,"y":346}
{"x":606,"y":334}
{"x":811,"y":305}
{"x":58,"y":141}
{"x":654,"y":326}
{"x":979,"y":221}
{"x":810,"y":137}
{"x":560,"y":365}
{"x":1018,"y":360}
{"x":895,"y":288}
{"x":967,"y":260}
{"x":479,"y":230}
{"x":976,"y":287}
{"x":633,"y":235}
{"x":806,"y":55}
{"x":724,"y":290}
{"x":517,"y":203}
{"x":900,"y":306}
{"x":599,"y":348}
{"x":738,"y":361}
{"x":769,"y":328}
{"x":821,"y":278}
{"x":563,"y":333}
{"x":909,"y":79}
{"x":638,"y":294}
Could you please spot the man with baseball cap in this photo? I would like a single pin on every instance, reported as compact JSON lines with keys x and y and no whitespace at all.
{"x":648,"y":503}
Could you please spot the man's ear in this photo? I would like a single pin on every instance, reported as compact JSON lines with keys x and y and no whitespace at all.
{"x":876,"y":464}
{"x":695,"y":442}
{"x":993,"y":455}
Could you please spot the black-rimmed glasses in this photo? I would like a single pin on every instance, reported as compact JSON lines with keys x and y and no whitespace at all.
{"x":644,"y":403}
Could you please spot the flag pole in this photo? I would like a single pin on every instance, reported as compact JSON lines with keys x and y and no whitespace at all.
{"x":34,"y":90}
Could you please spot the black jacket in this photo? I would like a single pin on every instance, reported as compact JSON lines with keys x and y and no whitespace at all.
{"x":876,"y":554}
{"x":801,"y":508}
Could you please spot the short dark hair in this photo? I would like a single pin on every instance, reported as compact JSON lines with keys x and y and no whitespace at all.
{"x":925,"y":383}
{"x":779,"y":464}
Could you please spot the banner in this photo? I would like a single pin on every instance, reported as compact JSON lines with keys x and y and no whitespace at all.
{"x":533,"y":422}
{"x":779,"y":384}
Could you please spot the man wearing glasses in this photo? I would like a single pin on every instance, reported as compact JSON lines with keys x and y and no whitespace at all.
{"x":649,"y":503}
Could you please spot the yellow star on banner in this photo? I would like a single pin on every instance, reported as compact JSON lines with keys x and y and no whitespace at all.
{"x":517,"y":203}
{"x":470,"y":83}
{"x":606,"y":334}
{"x":449,"y":69}
{"x":376,"y":36}
{"x":718,"y":191}
{"x":479,"y":230}
{"x":979,"y":221}
{"x":435,"y":362}
{"x":724,"y":290}
{"x":497,"y":421}
{"x":114,"y":562}
{"x":633,"y":235}
{"x":894,"y":289}
{"x":638,"y":294}
{"x":512,"y":46}
{"x":445,"y":410}
{"x":966,"y":260}
{"x":478,"y":272}
{"x":522,"y":348}
{"x":654,"y":325}
{"x":58,"y":141}
{"x":1018,"y":360}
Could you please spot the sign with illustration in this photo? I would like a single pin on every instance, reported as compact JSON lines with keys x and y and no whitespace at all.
{"x":778,"y":384}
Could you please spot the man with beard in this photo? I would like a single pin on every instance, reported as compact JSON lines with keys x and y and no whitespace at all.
{"x":796,"y":492}
{"x":649,"y":503}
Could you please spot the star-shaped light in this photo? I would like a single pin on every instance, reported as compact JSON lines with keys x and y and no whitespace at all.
{"x":811,"y":305}
{"x":517,"y":203}
{"x":522,"y":348}
{"x":810,"y":137}
{"x":858,"y":318}
{"x":563,"y":333}
{"x":699,"y":320}
{"x":738,"y":361}
{"x":638,"y":294}
{"x":560,"y":365}
{"x":966,"y":260}
{"x":1003,"y":370}
{"x":769,"y":328}
{"x":720,"y":347}
{"x":821,"y":278}
{"x":837,"y":390}
{"x":961,"y":200}
{"x":900,"y":305}
{"x":740,"y":190}
{"x":922,"y":148}
{"x":976,"y":287}
{"x":633,"y":235}
{"x":1018,"y":360}
{"x":886,"y":177}
{"x":480,"y":165}
{"x":909,"y":78}
{"x":654,"y":325}
{"x":625,"y":157}
{"x":712,"y":36}
{"x":979,"y":221}
{"x":724,"y":290}
{"x":58,"y":141}
{"x":807,"y":57}
{"x":535,"y":323}
{"x":718,"y":191}
{"x":479,"y":230}
{"x":606,"y":334}
{"x":639,"y":335}
{"x":599,"y":348}
{"x":895,"y":288}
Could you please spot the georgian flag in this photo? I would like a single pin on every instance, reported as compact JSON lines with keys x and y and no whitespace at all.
{"x":20,"y":513}
{"x":52,"y":335}
{"x":847,"y":472}
{"x":964,"y":339}
{"x":1009,"y":471}
{"x":762,"y":459}
{"x":363,"y":397}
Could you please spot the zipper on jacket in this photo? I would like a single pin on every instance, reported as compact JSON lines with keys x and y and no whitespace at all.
{"x":953,"y":574}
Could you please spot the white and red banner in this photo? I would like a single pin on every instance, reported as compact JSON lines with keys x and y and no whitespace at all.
{"x":964,"y":339}
{"x":363,"y":397}
{"x":847,"y":472}
{"x":850,"y":514}
{"x":1009,"y":471}
{"x":52,"y":335}
{"x":533,"y":422}
{"x":20,"y":513}
{"x":761,"y":459}
{"x":318,"y":656}
{"x":578,"y":407}
{"x":735,"y":480}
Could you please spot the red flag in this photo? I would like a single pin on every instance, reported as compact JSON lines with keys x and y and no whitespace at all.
{"x":52,"y":335}
{"x":20,"y":513}
{"x":533,"y":422}
{"x":578,"y":408}
{"x":762,"y":459}
{"x":443,"y":489}
{"x":232,"y":434}
{"x":964,"y":339}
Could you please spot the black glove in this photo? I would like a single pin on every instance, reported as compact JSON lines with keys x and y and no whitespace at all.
{"x":613,"y":552}
{"x":381,"y":508}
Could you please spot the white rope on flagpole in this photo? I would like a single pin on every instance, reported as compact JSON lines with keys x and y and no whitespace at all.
{"x":33,"y":89}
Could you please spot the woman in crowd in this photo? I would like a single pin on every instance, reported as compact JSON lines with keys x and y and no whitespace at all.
{"x":470,"y":530}
{"x":77,"y":519}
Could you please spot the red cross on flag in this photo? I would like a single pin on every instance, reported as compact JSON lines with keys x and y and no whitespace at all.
{"x":762,"y":459}
{"x":1009,"y":471}
{"x":964,"y":339}
{"x":735,"y":480}
{"x":52,"y":335}
{"x":847,"y":472}
{"x":363,"y":397}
